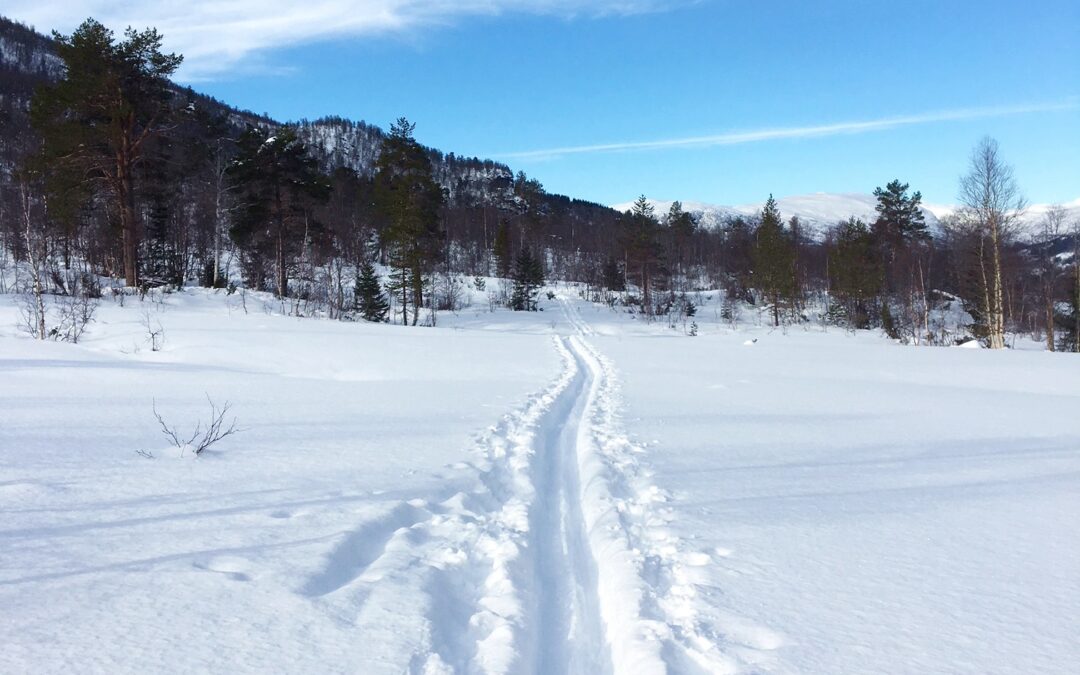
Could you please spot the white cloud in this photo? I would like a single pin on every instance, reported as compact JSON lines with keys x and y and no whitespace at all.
{"x":812,"y":131}
{"x":218,"y":35}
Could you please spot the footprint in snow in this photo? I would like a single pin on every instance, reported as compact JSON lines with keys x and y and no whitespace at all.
{"x":233,"y":567}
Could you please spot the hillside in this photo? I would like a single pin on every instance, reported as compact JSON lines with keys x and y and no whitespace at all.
{"x":27,"y":59}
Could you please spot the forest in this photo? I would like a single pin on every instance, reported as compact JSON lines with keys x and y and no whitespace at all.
{"x":114,"y":180}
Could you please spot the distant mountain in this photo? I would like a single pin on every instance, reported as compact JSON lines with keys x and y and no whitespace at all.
{"x":820,"y":211}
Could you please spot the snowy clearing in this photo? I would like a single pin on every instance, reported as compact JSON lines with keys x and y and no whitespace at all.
{"x":568,"y":491}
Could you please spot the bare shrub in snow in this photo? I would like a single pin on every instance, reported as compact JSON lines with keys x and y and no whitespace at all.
{"x":155,"y":332}
{"x":74,"y":312}
{"x":201,"y":437}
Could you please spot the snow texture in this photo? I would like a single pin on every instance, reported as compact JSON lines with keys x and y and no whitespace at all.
{"x":566,"y":491}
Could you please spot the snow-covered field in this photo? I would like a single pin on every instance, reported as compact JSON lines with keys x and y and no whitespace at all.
{"x":569,"y":491}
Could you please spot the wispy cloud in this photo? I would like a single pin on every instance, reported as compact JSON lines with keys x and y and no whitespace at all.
{"x":781,"y":133}
{"x":218,"y":36}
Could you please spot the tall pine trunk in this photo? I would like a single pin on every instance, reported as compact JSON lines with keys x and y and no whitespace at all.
{"x":128,"y":227}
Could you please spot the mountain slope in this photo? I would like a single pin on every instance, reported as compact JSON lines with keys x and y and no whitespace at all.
{"x":27,"y":60}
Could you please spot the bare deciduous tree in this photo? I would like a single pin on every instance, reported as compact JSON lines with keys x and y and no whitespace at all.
{"x":35,"y":305}
{"x":155,"y":332}
{"x":992,"y":200}
{"x":1051,"y":229}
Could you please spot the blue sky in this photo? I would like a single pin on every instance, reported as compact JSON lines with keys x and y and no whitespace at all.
{"x":781,"y":96}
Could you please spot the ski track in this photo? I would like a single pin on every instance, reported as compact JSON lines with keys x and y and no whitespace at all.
{"x":558,"y":561}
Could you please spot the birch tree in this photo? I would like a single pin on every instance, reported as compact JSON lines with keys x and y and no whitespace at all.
{"x":992,"y":201}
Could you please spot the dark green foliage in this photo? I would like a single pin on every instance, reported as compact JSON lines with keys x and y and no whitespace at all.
{"x":612,"y":276}
{"x":641,"y":241}
{"x":900,"y":220}
{"x":855,"y":273}
{"x":409,"y":199}
{"x":96,"y":121}
{"x":737,"y":258}
{"x":503,"y":250}
{"x":529,"y":198}
{"x":774,"y":260}
{"x":279,"y":185}
{"x":370,"y":302}
{"x":681,"y":226}
{"x":528,"y":278}
{"x":899,"y":230}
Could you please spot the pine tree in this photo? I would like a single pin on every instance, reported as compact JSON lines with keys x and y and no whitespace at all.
{"x":900,"y":219}
{"x":279,"y":184}
{"x":95,"y":122}
{"x":774,"y":260}
{"x":528,"y":278}
{"x":409,"y":199}
{"x":368,"y":295}
{"x":899,"y":229}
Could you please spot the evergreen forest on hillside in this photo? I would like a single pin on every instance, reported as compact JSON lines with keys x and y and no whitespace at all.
{"x":114,"y":179}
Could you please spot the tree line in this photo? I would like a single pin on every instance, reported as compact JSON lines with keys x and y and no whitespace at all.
{"x":120,"y":174}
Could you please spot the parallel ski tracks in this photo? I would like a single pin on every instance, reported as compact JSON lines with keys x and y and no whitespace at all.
{"x":550,"y":566}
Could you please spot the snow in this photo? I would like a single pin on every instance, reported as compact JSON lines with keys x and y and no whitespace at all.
{"x":567,"y":491}
{"x":865,"y":507}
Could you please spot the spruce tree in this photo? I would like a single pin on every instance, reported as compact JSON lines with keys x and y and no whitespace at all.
{"x":774,"y":260}
{"x":613,"y":277}
{"x":371,"y":303}
{"x":681,"y":226}
{"x":855,"y":272}
{"x":528,"y":278}
{"x":643,"y":250}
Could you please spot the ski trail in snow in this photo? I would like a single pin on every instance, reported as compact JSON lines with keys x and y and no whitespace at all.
{"x":569,"y":632}
{"x":647,"y":601}
{"x":557,"y":561}
{"x":497,"y":579}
